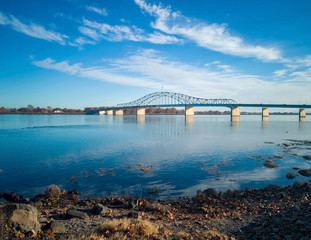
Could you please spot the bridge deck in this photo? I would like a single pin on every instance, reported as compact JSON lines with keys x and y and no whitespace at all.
{"x":211,"y":105}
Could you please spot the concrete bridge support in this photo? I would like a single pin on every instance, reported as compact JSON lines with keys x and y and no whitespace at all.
{"x":235,"y":114}
{"x":118,"y":112}
{"x":189,"y":111}
{"x":109,"y":112}
{"x":101,"y":112}
{"x":140,"y":111}
{"x":302,"y":114}
{"x":265,"y":114}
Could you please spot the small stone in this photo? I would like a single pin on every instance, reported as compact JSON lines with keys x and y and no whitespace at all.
{"x":72,"y":213}
{"x":305,"y":172}
{"x":290,"y":175}
{"x":210,"y":192}
{"x":56,"y":227}
{"x":31,"y":234}
{"x":100,"y":209}
{"x":270,"y":164}
{"x":134,"y":214}
{"x":307,"y":157}
{"x":53,"y":191}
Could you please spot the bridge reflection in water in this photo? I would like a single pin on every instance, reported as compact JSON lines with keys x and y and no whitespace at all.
{"x":171,"y":99}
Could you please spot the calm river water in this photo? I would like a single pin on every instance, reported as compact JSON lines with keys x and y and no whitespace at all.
{"x":105,"y":155}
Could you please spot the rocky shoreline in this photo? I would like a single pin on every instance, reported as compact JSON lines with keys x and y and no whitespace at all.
{"x":269,"y":213}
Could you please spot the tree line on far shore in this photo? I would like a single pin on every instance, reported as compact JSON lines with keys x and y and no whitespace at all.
{"x":49,"y":110}
{"x":32,"y":110}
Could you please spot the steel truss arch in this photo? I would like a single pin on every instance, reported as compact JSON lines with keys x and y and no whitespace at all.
{"x":171,"y":98}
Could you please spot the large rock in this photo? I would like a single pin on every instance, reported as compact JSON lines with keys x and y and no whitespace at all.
{"x":53,"y":191}
{"x":24,"y":221}
{"x":72,"y":213}
{"x":290,"y":175}
{"x":20,"y":217}
{"x":8,"y":209}
{"x":13,"y":197}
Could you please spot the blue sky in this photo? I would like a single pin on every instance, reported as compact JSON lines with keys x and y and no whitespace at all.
{"x":74,"y":53}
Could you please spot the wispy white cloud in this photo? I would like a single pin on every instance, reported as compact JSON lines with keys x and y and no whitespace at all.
{"x":91,"y":33}
{"x":298,"y":70}
{"x":211,"y":36}
{"x":59,"y":66}
{"x":226,"y":68}
{"x":306,"y":61}
{"x":117,"y":33}
{"x":32,"y":29}
{"x":80,"y":41}
{"x":149,"y":69}
{"x":101,"y":11}
{"x":280,"y":73}
{"x":96,"y":73}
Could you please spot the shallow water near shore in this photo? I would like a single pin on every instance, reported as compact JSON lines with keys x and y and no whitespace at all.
{"x":158,"y":156}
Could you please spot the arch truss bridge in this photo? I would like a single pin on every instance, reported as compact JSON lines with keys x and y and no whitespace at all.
{"x":171,"y":99}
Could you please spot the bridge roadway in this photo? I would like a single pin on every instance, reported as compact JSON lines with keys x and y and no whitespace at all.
{"x":188,"y":102}
{"x":235,"y":109}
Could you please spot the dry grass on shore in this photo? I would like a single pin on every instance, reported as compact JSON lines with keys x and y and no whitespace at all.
{"x":126,"y":228}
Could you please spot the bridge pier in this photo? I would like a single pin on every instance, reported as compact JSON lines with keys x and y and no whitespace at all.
{"x":118,"y":112}
{"x":189,"y":111}
{"x":140,"y":111}
{"x":101,"y":112}
{"x":265,"y":114}
{"x":109,"y":112}
{"x":235,"y":114}
{"x":302,"y":114}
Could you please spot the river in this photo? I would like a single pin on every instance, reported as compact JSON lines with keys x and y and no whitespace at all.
{"x":155,"y":156}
